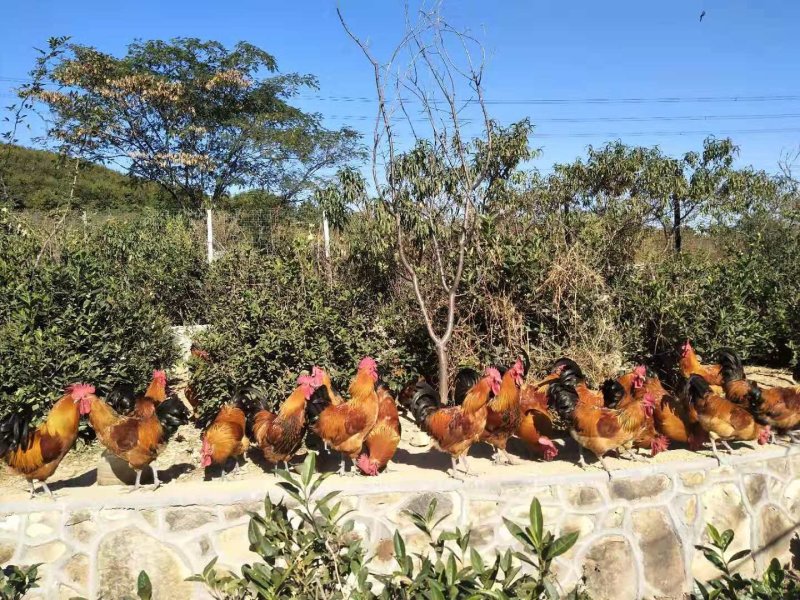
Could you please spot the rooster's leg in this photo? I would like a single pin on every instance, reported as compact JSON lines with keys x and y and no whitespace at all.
{"x":156,"y":482}
{"x":794,"y":435}
{"x":605,"y":466}
{"x":463,"y":459}
{"x":510,"y":460}
{"x":581,"y":459}
{"x":46,"y":489}
{"x":727,"y":446}
{"x":453,"y":471}
{"x":33,"y":489}
{"x":715,"y":451}
{"x":138,"y":480}
{"x":630,"y":453}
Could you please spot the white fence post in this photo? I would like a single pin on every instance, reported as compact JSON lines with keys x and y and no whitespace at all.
{"x":326,"y":235}
{"x":209,"y":236}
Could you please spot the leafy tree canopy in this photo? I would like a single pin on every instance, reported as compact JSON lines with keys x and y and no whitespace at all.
{"x":195,"y":117}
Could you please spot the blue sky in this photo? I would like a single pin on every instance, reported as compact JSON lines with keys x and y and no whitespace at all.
{"x":538,"y":50}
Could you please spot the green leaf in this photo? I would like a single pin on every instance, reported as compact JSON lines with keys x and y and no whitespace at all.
{"x":561,"y":545}
{"x":537,"y":522}
{"x":399,"y":545}
{"x":143,"y":586}
{"x":739,"y":555}
{"x":308,"y":468}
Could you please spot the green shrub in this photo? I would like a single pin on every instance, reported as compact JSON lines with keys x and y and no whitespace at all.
{"x":777,"y":583}
{"x":272,"y":317}
{"x":15,"y":582}
{"x":309,"y":551}
{"x":68,"y":320}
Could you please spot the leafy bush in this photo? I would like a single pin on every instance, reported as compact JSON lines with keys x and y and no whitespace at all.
{"x":273,"y":316}
{"x":309,"y":551}
{"x":69,"y":320}
{"x":15,"y":582}
{"x":777,"y":583}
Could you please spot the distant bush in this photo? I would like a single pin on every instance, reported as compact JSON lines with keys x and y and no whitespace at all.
{"x":70,"y":319}
{"x":272,"y":316}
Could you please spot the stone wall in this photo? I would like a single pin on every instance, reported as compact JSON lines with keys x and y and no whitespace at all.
{"x":637,"y":531}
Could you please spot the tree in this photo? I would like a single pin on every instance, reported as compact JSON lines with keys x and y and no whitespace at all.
{"x":438,"y":189}
{"x":194,"y":117}
{"x":671,"y":191}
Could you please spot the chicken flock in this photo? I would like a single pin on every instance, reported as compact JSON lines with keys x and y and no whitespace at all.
{"x":715,"y":404}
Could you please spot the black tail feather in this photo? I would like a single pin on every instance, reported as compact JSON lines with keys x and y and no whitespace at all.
{"x":697,"y":388}
{"x":570,"y":370}
{"x":250,"y":399}
{"x":122,"y":398}
{"x":465,"y":380}
{"x":613,"y":392}
{"x":16,"y":431}
{"x":732,"y":368}
{"x":424,"y":401}
{"x":172,"y":413}
{"x":562,"y":396}
{"x":318,"y":402}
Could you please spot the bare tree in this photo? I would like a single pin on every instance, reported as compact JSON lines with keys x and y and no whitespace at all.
{"x":438,"y":186}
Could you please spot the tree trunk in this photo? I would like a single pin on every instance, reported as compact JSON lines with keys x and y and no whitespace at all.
{"x":676,"y":224}
{"x":567,"y":230}
{"x":444,"y":388}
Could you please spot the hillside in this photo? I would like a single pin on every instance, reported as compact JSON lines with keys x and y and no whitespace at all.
{"x":39,"y":179}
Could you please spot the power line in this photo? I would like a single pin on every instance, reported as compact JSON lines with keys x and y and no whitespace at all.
{"x":599,"y":119}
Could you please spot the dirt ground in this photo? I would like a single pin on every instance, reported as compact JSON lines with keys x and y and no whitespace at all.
{"x":179,"y":461}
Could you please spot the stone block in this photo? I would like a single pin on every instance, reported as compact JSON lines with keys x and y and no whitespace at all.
{"x":661,"y":549}
{"x":774,"y":534}
{"x":693,"y":479}
{"x":608,"y":572}
{"x":638,"y":489}
{"x":582,"y":496}
{"x":122,"y":554}
{"x":188,"y":518}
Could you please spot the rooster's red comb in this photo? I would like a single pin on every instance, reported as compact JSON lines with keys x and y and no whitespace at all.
{"x":79,"y":391}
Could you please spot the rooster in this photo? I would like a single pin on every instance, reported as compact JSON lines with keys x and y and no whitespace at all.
{"x":454,"y":429}
{"x":37,"y":454}
{"x":137,"y":439}
{"x":567,"y":371}
{"x":721,"y":418}
{"x":778,"y":407}
{"x":690,"y":365}
{"x":536,"y":427}
{"x":280,"y":434}
{"x":384,"y":438}
{"x":344,"y":427}
{"x":503,"y":414}
{"x":122,"y":397}
{"x":636,"y":385}
{"x":599,"y":429}
{"x":225,"y":438}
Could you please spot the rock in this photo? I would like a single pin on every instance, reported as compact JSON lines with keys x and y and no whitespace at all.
{"x":482,"y":538}
{"x":67,"y":593}
{"x":580,"y":523}
{"x":774,"y":534}
{"x":693,"y":479}
{"x":43,"y":553}
{"x":237,"y":511}
{"x":38,"y":531}
{"x":118,"y":514}
{"x":661,"y":549}
{"x":755,"y":487}
{"x":78,"y":517}
{"x":382,"y":558}
{"x":608,"y":572}
{"x":233,"y":547}
{"x":7,"y":549}
{"x":688,"y":503}
{"x":42,"y":525}
{"x":10,"y":523}
{"x":582,"y":496}
{"x":420,"y":503}
{"x":635,"y":489}
{"x":614,"y":518}
{"x":76,"y":570}
{"x":792,"y":497}
{"x":722,"y":507}
{"x":780,"y":466}
{"x":81,"y":531}
{"x":122,"y":554}
{"x":380,"y":503}
{"x":481,"y":511}
{"x":188,"y":519}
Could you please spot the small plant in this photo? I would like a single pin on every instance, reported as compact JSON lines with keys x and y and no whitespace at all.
{"x":308,"y":549}
{"x":15,"y":582}
{"x":777,"y":583}
{"x":454,"y":570}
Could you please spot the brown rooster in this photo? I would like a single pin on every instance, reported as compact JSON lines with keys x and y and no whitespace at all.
{"x":455,"y":428}
{"x":599,"y":429}
{"x":138,"y":438}
{"x":503,"y":414}
{"x":36,"y":454}
{"x":344,"y":427}
{"x":636,"y":385}
{"x":280,"y":434}
{"x":536,"y":427}
{"x":384,"y":438}
{"x":225,"y":439}
{"x":721,"y":418}
{"x":690,"y":365}
{"x":778,"y":407}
